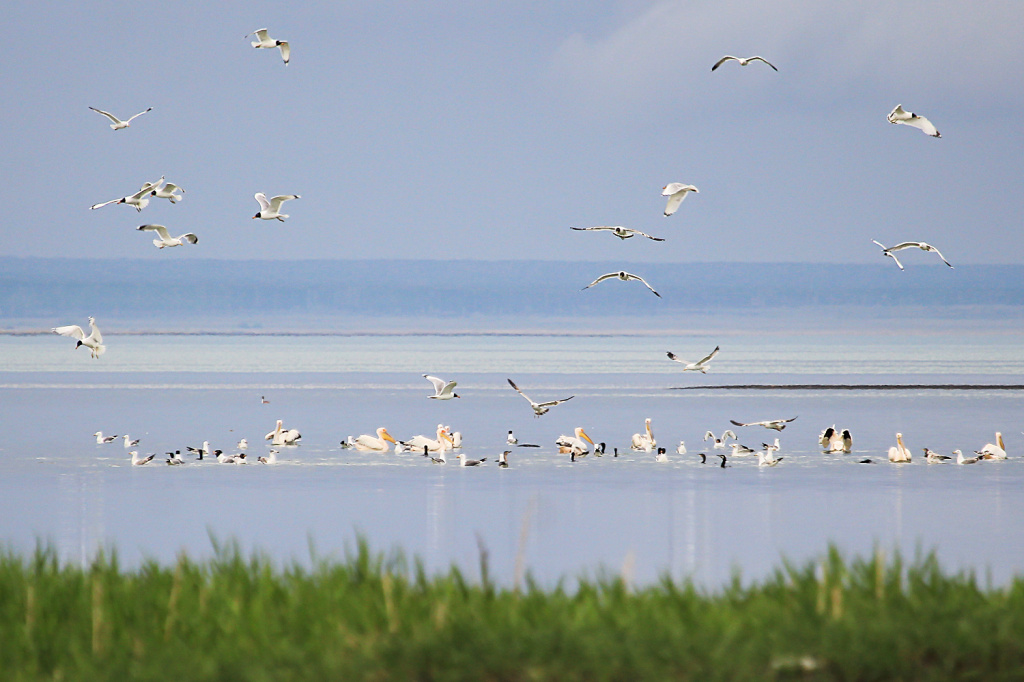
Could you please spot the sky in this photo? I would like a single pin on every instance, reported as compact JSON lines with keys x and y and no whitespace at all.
{"x":484,"y":129}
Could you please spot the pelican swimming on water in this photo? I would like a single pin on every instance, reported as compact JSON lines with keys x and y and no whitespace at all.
{"x":378,"y":444}
{"x":94,"y":341}
{"x":720,"y":442}
{"x":909,"y":118}
{"x":443,"y":390}
{"x":773,"y":424}
{"x":645,"y":440}
{"x":578,"y":442}
{"x":619,"y":231}
{"x":699,"y":366}
{"x":442,"y":441}
{"x":539,"y":408}
{"x":625,"y":277}
{"x":742,"y":61}
{"x":281,"y":436}
{"x":900,"y":452}
{"x":909,"y":245}
{"x":676,"y":192}
{"x":993,"y":450}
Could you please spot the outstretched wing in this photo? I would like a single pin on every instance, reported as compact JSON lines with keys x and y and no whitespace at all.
{"x":552,"y":403}
{"x":762,"y":59}
{"x":722,"y":61}
{"x":72,"y":330}
{"x":644,"y":234}
{"x":286,"y":51}
{"x":736,"y":423}
{"x":438,"y":383}
{"x":95,"y":206}
{"x":113,"y":119}
{"x":673,"y":202}
{"x":601,"y":279}
{"x":260,"y":33}
{"x":598,"y":227}
{"x":190,"y":237}
{"x":641,"y":279}
{"x":905,"y":245}
{"x":139,"y":114}
{"x":159,"y":229}
{"x":512,"y":384}
{"x":275,"y":202}
{"x":673,"y":356}
{"x":261,"y":197}
{"x":939,"y":254}
{"x":708,"y":357}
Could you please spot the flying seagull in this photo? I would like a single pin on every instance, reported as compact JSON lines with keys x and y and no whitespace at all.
{"x":539,"y":408}
{"x":139,"y":200}
{"x":909,"y":245}
{"x":909,"y":118}
{"x":166,"y":239}
{"x":168,"y":192}
{"x":620,"y":231}
{"x":700,"y":366}
{"x":443,"y":390}
{"x":676,"y":192}
{"x":115,"y":122}
{"x":267,"y":42}
{"x":94,"y":342}
{"x":625,"y":277}
{"x":742,"y":61}
{"x":774,"y":424}
{"x":270,"y":210}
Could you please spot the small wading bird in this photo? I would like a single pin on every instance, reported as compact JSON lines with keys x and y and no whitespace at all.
{"x":94,"y":342}
{"x":699,"y":366}
{"x":676,"y":192}
{"x":266,"y":42}
{"x":443,"y":390}
{"x":271,"y":210}
{"x":742,"y":61}
{"x":539,"y":408}
{"x":774,"y":424}
{"x":909,"y":245}
{"x":625,"y":277}
{"x":620,"y":231}
{"x":909,"y":118}
{"x":166,"y":239}
{"x":139,"y":200}
{"x":115,"y":122}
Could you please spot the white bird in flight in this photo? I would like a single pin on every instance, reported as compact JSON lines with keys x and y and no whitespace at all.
{"x":699,"y":366}
{"x":266,"y":42}
{"x":139,"y":200}
{"x":539,"y":408}
{"x":676,"y":192}
{"x":94,"y":342}
{"x":720,"y":442}
{"x":443,"y":390}
{"x":619,"y":231}
{"x":166,"y":239}
{"x":115,"y":122}
{"x":909,"y":245}
{"x":168,"y":192}
{"x":774,"y":424}
{"x":909,"y":118}
{"x":269,"y":210}
{"x":742,"y":61}
{"x":624,"y":276}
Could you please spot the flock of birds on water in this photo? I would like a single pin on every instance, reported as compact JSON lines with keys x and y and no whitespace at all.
{"x":577,"y":446}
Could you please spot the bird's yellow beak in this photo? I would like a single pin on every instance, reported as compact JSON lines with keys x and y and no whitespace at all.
{"x":387,"y":436}
{"x":586,"y":437}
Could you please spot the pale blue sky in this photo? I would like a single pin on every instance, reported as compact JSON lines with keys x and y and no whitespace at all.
{"x":483,"y":130}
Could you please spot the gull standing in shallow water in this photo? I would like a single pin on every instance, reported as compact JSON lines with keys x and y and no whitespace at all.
{"x":94,"y":342}
{"x":116,"y":123}
{"x":266,"y":42}
{"x":699,"y":366}
{"x":909,"y":118}
{"x":166,"y":239}
{"x":909,"y":245}
{"x":742,"y":61}
{"x":620,"y":231}
{"x":539,"y":408}
{"x":271,"y":210}
{"x":625,"y":277}
{"x":676,"y":192}
{"x":443,"y":390}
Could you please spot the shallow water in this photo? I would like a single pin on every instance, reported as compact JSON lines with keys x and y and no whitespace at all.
{"x":555,"y":518}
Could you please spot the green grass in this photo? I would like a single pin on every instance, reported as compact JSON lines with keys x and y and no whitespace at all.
{"x":370,"y":616}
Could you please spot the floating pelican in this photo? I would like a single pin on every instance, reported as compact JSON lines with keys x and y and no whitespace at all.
{"x":909,"y":118}
{"x":676,"y":192}
{"x":115,"y":122}
{"x":720,"y":442}
{"x":681,"y":448}
{"x":774,"y":424}
{"x":993,"y":450}
{"x":454,"y":436}
{"x":271,"y":210}
{"x":577,"y":442}
{"x":139,"y":200}
{"x":909,"y":245}
{"x":139,"y":461}
{"x":443,"y":390}
{"x":101,"y":439}
{"x":661,"y":456}
{"x":645,"y":440}
{"x":470,"y":462}
{"x":539,"y":408}
{"x":960,"y":459}
{"x":168,"y":192}
{"x":442,"y":441}
{"x":503,"y":459}
{"x":166,"y":239}
{"x":900,"y":452}
{"x":625,"y":277}
{"x":281,"y":436}
{"x":94,"y":342}
{"x":742,"y":61}
{"x":933,"y":457}
{"x":619,"y":231}
{"x":699,"y":366}
{"x":271,"y":459}
{"x":378,"y":444}
{"x":129,"y":443}
{"x":266,"y":42}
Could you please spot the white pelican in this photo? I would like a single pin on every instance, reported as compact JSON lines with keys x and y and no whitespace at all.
{"x":578,"y":442}
{"x":699,"y":366}
{"x":909,"y":118}
{"x":129,"y":443}
{"x":269,"y":210}
{"x":378,"y":444}
{"x":619,"y":231}
{"x":243,"y":444}
{"x":280,"y":436}
{"x":661,"y":456}
{"x":442,"y":442}
{"x":139,"y":461}
{"x":166,"y":239}
{"x":933,"y":457}
{"x":900,"y":452}
{"x":774,"y":424}
{"x":94,"y":342}
{"x":139,"y":200}
{"x":443,"y":390}
{"x":909,"y":245}
{"x":101,"y":439}
{"x":676,"y":192}
{"x":833,"y":440}
{"x":115,"y":122}
{"x":645,"y":440}
{"x":470,"y":462}
{"x":720,"y":442}
{"x":271,"y":459}
{"x":539,"y":408}
{"x":960,"y":459}
{"x":742,"y":61}
{"x":993,"y":450}
{"x":681,"y":448}
{"x":738,"y":450}
{"x":454,"y":436}
{"x":266,"y":42}
{"x":503,"y":459}
{"x":625,"y":277}
{"x":168,"y":192}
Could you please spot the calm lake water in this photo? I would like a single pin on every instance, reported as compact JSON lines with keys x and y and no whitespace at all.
{"x":555,"y":518}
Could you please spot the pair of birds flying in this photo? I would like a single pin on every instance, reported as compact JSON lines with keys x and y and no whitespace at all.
{"x":139,"y":200}
{"x":890,"y":252}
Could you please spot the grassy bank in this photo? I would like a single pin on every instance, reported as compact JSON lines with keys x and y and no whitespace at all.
{"x":373,"y":617}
